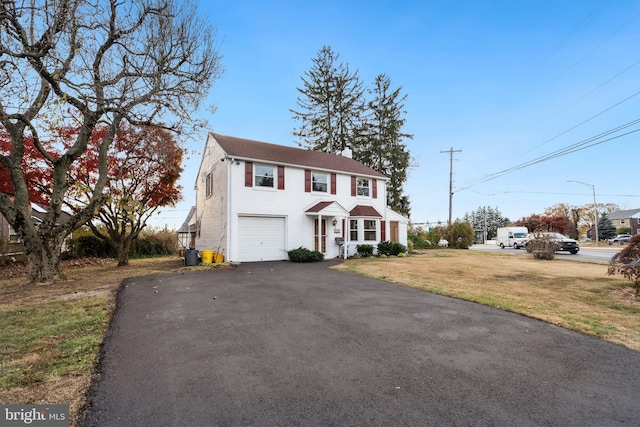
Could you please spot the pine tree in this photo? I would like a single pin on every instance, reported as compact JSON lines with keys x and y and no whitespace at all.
{"x":487,"y":218}
{"x":330,"y":103}
{"x":606,"y":229}
{"x":379,"y":143}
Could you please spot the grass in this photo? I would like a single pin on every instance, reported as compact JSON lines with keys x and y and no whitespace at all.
{"x":51,"y":334}
{"x":577,"y":295}
{"x":49,"y":340}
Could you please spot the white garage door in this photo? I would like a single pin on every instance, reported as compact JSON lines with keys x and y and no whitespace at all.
{"x":261,"y":239}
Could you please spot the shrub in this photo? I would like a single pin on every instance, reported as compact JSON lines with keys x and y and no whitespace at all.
{"x":627,"y":263}
{"x":416,"y":242}
{"x":542,"y":246}
{"x":154,"y":243}
{"x":391,"y":248}
{"x":88,"y":245}
{"x":402,"y":255}
{"x":623,"y":230}
{"x":409,"y":246}
{"x":384,"y":248}
{"x":459,"y":235}
{"x":305,"y":255}
{"x":434,"y":236}
{"x":365,"y":250}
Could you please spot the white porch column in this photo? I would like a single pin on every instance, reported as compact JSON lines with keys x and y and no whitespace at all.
{"x":319,"y":232}
{"x":347,"y":224}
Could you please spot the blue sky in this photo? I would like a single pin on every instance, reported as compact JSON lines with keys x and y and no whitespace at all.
{"x":506,"y":82}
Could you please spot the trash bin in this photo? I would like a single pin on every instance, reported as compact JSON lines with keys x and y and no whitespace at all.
{"x":190,"y":257}
{"x":207,"y":256}
{"x":218,"y":258}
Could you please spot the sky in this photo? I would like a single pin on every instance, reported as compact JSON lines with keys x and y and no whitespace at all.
{"x":513,"y":86}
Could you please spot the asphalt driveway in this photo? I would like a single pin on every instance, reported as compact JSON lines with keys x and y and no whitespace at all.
{"x":299,"y":344}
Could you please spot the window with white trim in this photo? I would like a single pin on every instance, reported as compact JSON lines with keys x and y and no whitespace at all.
{"x":370,"y":228}
{"x":263,"y":176}
{"x":319,"y":182}
{"x":362,"y":187}
{"x":13,"y":236}
{"x":353,"y":230}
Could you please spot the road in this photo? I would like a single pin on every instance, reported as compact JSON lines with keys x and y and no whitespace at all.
{"x":603,"y":253}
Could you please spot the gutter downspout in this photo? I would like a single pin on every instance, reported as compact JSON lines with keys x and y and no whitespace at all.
{"x":228,"y":215}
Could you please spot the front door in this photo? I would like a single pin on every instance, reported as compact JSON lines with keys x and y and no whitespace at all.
{"x":393,"y":230}
{"x":323,"y":235}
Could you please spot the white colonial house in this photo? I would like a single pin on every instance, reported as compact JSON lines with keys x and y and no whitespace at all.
{"x":256,"y":201}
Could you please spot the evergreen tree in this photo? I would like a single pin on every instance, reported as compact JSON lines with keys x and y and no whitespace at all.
{"x":379,"y":144}
{"x":606,"y":229}
{"x":330,"y":104}
{"x":486,"y":218}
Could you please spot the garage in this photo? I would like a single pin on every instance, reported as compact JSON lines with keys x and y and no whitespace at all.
{"x":261,"y":239}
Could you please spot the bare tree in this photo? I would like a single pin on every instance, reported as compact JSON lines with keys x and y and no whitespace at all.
{"x":90,"y":63}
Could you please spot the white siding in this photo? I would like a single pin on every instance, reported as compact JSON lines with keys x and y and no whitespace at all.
{"x":211,"y":211}
{"x":236,"y":217}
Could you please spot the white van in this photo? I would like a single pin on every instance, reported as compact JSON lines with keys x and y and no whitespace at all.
{"x":512,"y":237}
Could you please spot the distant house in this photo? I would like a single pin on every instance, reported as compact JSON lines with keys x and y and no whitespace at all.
{"x":627,"y":218}
{"x":9,"y":240}
{"x":187,"y":232}
{"x":255,"y":201}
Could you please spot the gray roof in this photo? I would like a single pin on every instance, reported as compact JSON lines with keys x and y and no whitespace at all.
{"x":623,"y":214}
{"x":247,"y":149}
{"x":184,"y":228}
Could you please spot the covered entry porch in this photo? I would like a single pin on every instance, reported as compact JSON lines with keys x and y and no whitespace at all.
{"x":329,"y":228}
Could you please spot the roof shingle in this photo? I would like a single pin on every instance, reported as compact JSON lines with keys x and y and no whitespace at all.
{"x":363,"y":210}
{"x":263,"y":151}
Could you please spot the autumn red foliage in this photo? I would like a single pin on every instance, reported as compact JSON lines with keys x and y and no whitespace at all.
{"x":36,"y":172}
{"x":535,"y":222}
{"x":627,"y":263}
{"x":143,"y":164}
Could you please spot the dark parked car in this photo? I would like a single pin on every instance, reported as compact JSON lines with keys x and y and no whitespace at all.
{"x":562,"y":242}
{"x":620,"y":239}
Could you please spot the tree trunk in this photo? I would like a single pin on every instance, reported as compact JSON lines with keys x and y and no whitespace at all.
{"x":123,"y":252}
{"x":43,"y":257}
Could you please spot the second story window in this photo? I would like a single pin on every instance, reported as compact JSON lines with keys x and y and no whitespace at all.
{"x":319,"y":182}
{"x":263,"y":176}
{"x":362,"y":187}
{"x":209,"y":185}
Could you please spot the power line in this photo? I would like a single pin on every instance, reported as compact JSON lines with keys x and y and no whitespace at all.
{"x":599,"y":45}
{"x":585,"y":121}
{"x":549,"y":193}
{"x":578,"y":146}
{"x":573,"y":32}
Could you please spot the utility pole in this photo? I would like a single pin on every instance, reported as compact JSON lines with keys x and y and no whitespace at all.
{"x":595,"y":206}
{"x":450,"y":151}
